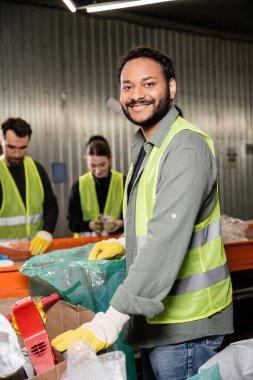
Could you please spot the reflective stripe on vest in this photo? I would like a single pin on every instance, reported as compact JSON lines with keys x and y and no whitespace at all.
{"x":14,"y":240}
{"x":89,"y":201}
{"x":17,"y":222}
{"x":200,"y":281}
{"x":204,"y":276}
{"x":198,"y":239}
{"x":208,"y":233}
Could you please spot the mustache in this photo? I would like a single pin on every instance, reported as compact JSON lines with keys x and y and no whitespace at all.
{"x":132,"y":103}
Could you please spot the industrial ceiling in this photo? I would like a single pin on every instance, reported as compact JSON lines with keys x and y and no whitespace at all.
{"x":223,"y":16}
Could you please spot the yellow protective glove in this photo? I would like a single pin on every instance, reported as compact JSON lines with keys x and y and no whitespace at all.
{"x":110,"y":249}
{"x":101,"y":332}
{"x":40,"y":243}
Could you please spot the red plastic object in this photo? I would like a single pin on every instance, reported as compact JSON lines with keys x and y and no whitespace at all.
{"x":50,"y":299}
{"x":34,"y":334}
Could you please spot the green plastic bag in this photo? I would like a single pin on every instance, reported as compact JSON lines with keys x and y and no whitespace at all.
{"x":212,"y":373}
{"x":79,"y":281}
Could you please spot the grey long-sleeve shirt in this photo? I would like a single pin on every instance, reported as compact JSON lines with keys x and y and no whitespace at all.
{"x":186,"y":188}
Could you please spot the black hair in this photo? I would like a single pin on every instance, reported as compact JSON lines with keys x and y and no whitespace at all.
{"x":98,"y":146}
{"x":148,"y":52}
{"x":17,"y":125}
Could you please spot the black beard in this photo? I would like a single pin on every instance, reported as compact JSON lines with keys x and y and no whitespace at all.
{"x":159,"y":113}
{"x":15,"y":163}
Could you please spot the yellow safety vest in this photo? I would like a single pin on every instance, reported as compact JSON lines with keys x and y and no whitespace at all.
{"x":89,"y":201}
{"x":17,"y":221}
{"x":203,"y":286}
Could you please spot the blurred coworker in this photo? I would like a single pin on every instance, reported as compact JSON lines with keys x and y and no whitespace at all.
{"x":29,"y":207}
{"x":177,"y":295}
{"x":95,"y":203}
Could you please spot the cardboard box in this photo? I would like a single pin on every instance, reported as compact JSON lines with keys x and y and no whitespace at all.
{"x":54,"y":373}
{"x":61,"y":316}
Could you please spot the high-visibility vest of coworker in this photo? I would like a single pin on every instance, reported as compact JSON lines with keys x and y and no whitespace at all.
{"x":89,"y":201}
{"x":203,"y":286}
{"x":17,"y":221}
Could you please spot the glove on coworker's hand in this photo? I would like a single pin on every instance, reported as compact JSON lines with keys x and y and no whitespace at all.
{"x":96,"y":225}
{"x":101,"y":332}
{"x":111,"y":224}
{"x":40,"y":242}
{"x":110,"y":249}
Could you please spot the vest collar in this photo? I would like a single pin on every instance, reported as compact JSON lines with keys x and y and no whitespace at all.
{"x":160,"y":133}
{"x":165,"y":125}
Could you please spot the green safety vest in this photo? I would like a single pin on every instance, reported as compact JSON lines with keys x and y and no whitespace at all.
{"x":89,"y":201}
{"x":203,"y":285}
{"x":17,"y":221}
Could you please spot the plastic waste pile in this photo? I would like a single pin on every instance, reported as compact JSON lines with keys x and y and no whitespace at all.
{"x":79,"y":281}
{"x":5,"y":261}
{"x":234,"y":361}
{"x":13,"y":359}
{"x":233,"y":229}
{"x":83,"y":363}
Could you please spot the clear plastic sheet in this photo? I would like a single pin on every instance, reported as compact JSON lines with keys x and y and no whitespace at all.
{"x":233,"y":229}
{"x":82,"y":282}
{"x":83,"y":363}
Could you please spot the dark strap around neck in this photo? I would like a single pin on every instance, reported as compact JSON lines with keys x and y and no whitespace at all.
{"x":136,"y":169}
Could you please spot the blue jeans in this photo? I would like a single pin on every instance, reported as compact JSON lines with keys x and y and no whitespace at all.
{"x":178,"y":361}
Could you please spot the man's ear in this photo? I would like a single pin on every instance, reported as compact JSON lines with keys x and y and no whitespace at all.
{"x":173,"y":88}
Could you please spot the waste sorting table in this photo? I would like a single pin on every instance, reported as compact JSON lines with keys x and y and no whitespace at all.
{"x":15,"y":284}
{"x":240,"y":261}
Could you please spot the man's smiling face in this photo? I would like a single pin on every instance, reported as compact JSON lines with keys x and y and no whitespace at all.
{"x":144,"y":93}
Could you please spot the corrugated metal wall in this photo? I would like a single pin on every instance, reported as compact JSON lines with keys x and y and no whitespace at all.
{"x":58,"y":70}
